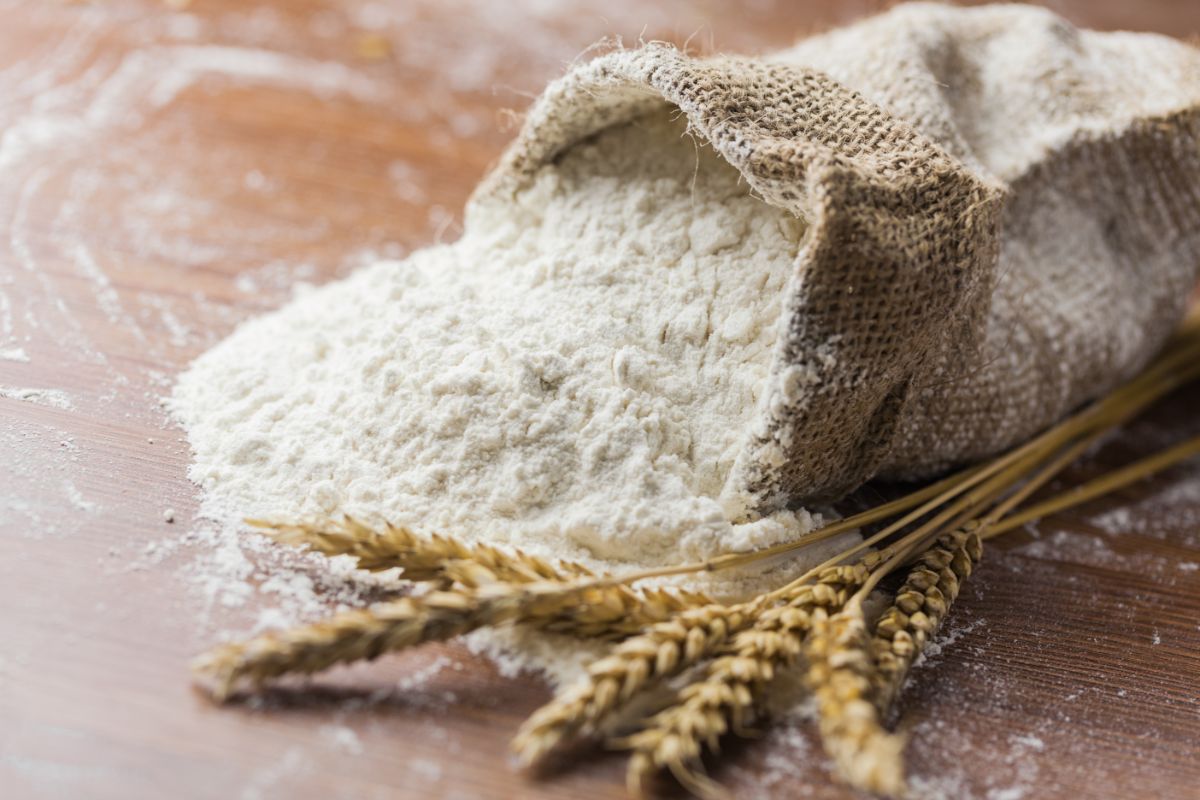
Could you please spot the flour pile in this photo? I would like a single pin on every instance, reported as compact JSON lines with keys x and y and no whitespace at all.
{"x":574,"y":377}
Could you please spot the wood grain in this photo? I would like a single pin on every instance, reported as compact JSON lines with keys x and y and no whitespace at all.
{"x":167,"y":170}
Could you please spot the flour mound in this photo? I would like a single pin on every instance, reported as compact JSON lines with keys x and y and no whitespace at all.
{"x":575,"y":376}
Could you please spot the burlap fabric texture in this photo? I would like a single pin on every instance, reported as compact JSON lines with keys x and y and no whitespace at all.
{"x":1003,"y":222}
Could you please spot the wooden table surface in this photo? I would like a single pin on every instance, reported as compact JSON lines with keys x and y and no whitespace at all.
{"x":169,"y":169}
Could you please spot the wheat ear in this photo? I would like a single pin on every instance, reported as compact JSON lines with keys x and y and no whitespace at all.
{"x":854,"y":678}
{"x":365,"y":634}
{"x":841,"y":677}
{"x":448,"y":561}
{"x":920,"y":607}
{"x":423,"y":558}
{"x":723,"y":697}
{"x":660,"y":651}
{"x":590,"y":606}
{"x":614,"y":609}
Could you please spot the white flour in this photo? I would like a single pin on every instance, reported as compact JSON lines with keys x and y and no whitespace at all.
{"x":573,"y":377}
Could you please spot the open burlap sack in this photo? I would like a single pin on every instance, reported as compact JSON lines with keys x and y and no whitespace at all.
{"x":1003,"y":222}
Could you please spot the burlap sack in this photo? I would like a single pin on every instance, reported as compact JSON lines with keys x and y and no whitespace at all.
{"x":1003,"y":222}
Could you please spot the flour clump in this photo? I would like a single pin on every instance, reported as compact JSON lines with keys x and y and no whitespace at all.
{"x":575,"y":376}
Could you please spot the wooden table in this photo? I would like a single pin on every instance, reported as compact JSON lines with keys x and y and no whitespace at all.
{"x":168,"y":169}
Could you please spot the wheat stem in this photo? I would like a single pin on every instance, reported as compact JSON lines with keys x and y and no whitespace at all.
{"x":931,"y":586}
{"x":1103,"y":485}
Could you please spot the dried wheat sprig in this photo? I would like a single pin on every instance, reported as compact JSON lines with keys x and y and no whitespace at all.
{"x":855,"y":679}
{"x":867,"y":755}
{"x":930,"y":588}
{"x":842,"y":673}
{"x":723,"y":697}
{"x":903,"y":630}
{"x":660,"y":651}
{"x":933,"y":584}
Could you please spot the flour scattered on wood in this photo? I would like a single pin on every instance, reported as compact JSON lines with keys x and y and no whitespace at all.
{"x":17,"y":354}
{"x":574,"y":377}
{"x":342,"y":739}
{"x":55,"y":398}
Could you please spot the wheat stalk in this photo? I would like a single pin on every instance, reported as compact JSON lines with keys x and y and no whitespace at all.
{"x":1105,"y":484}
{"x":855,"y":680}
{"x":852,"y":678}
{"x":847,"y":671}
{"x":841,"y":673}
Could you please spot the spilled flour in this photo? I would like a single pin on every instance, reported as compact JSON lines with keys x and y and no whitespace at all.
{"x":574,"y":377}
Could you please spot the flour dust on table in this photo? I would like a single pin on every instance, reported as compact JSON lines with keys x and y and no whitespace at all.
{"x":574,"y":377}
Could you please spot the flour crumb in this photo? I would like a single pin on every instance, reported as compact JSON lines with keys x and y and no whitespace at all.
{"x":1032,"y":742}
{"x":44,"y":397}
{"x":76,"y":498}
{"x":16,"y":354}
{"x":342,"y":738}
{"x":421,"y":677}
{"x":428,"y":770}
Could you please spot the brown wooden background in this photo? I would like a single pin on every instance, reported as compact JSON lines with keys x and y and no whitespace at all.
{"x":168,"y":169}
